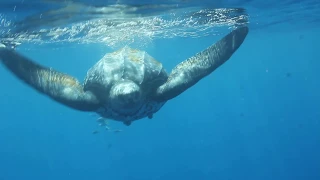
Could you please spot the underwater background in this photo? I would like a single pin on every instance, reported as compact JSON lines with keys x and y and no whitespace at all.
{"x":255,"y":117}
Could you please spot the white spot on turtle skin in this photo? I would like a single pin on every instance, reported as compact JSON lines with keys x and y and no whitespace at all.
{"x":234,"y":41}
{"x":67,"y":90}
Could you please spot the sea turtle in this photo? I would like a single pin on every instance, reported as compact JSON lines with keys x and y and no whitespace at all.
{"x":125,"y":85}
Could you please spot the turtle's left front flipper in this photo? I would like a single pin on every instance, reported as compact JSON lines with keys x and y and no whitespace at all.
{"x":60,"y":87}
{"x":189,"y":72}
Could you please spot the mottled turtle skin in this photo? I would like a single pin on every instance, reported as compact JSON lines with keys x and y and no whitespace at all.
{"x":126,"y":69}
{"x":125,"y":85}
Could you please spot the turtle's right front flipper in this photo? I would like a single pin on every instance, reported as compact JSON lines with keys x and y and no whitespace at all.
{"x":60,"y":87}
{"x":192,"y":70}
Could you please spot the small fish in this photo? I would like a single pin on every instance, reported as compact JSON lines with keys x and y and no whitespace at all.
{"x":93,"y":114}
{"x":117,"y":130}
{"x":109,"y":146}
{"x":95,"y":132}
{"x":100,"y":119}
{"x":288,"y":74}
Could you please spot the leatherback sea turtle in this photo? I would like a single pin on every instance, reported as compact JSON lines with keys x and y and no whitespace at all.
{"x":125,"y":85}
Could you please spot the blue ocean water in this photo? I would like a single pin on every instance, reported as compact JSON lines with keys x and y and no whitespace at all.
{"x":256,"y":117}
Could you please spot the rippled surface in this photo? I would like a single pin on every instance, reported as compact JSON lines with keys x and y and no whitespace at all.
{"x":115,"y":23}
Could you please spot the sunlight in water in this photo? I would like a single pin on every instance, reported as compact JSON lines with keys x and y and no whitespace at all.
{"x":116,"y":25}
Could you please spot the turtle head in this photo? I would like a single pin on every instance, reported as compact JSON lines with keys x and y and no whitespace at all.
{"x":125,"y":96}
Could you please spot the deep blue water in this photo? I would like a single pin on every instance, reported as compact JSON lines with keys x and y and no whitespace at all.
{"x":256,"y":117}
